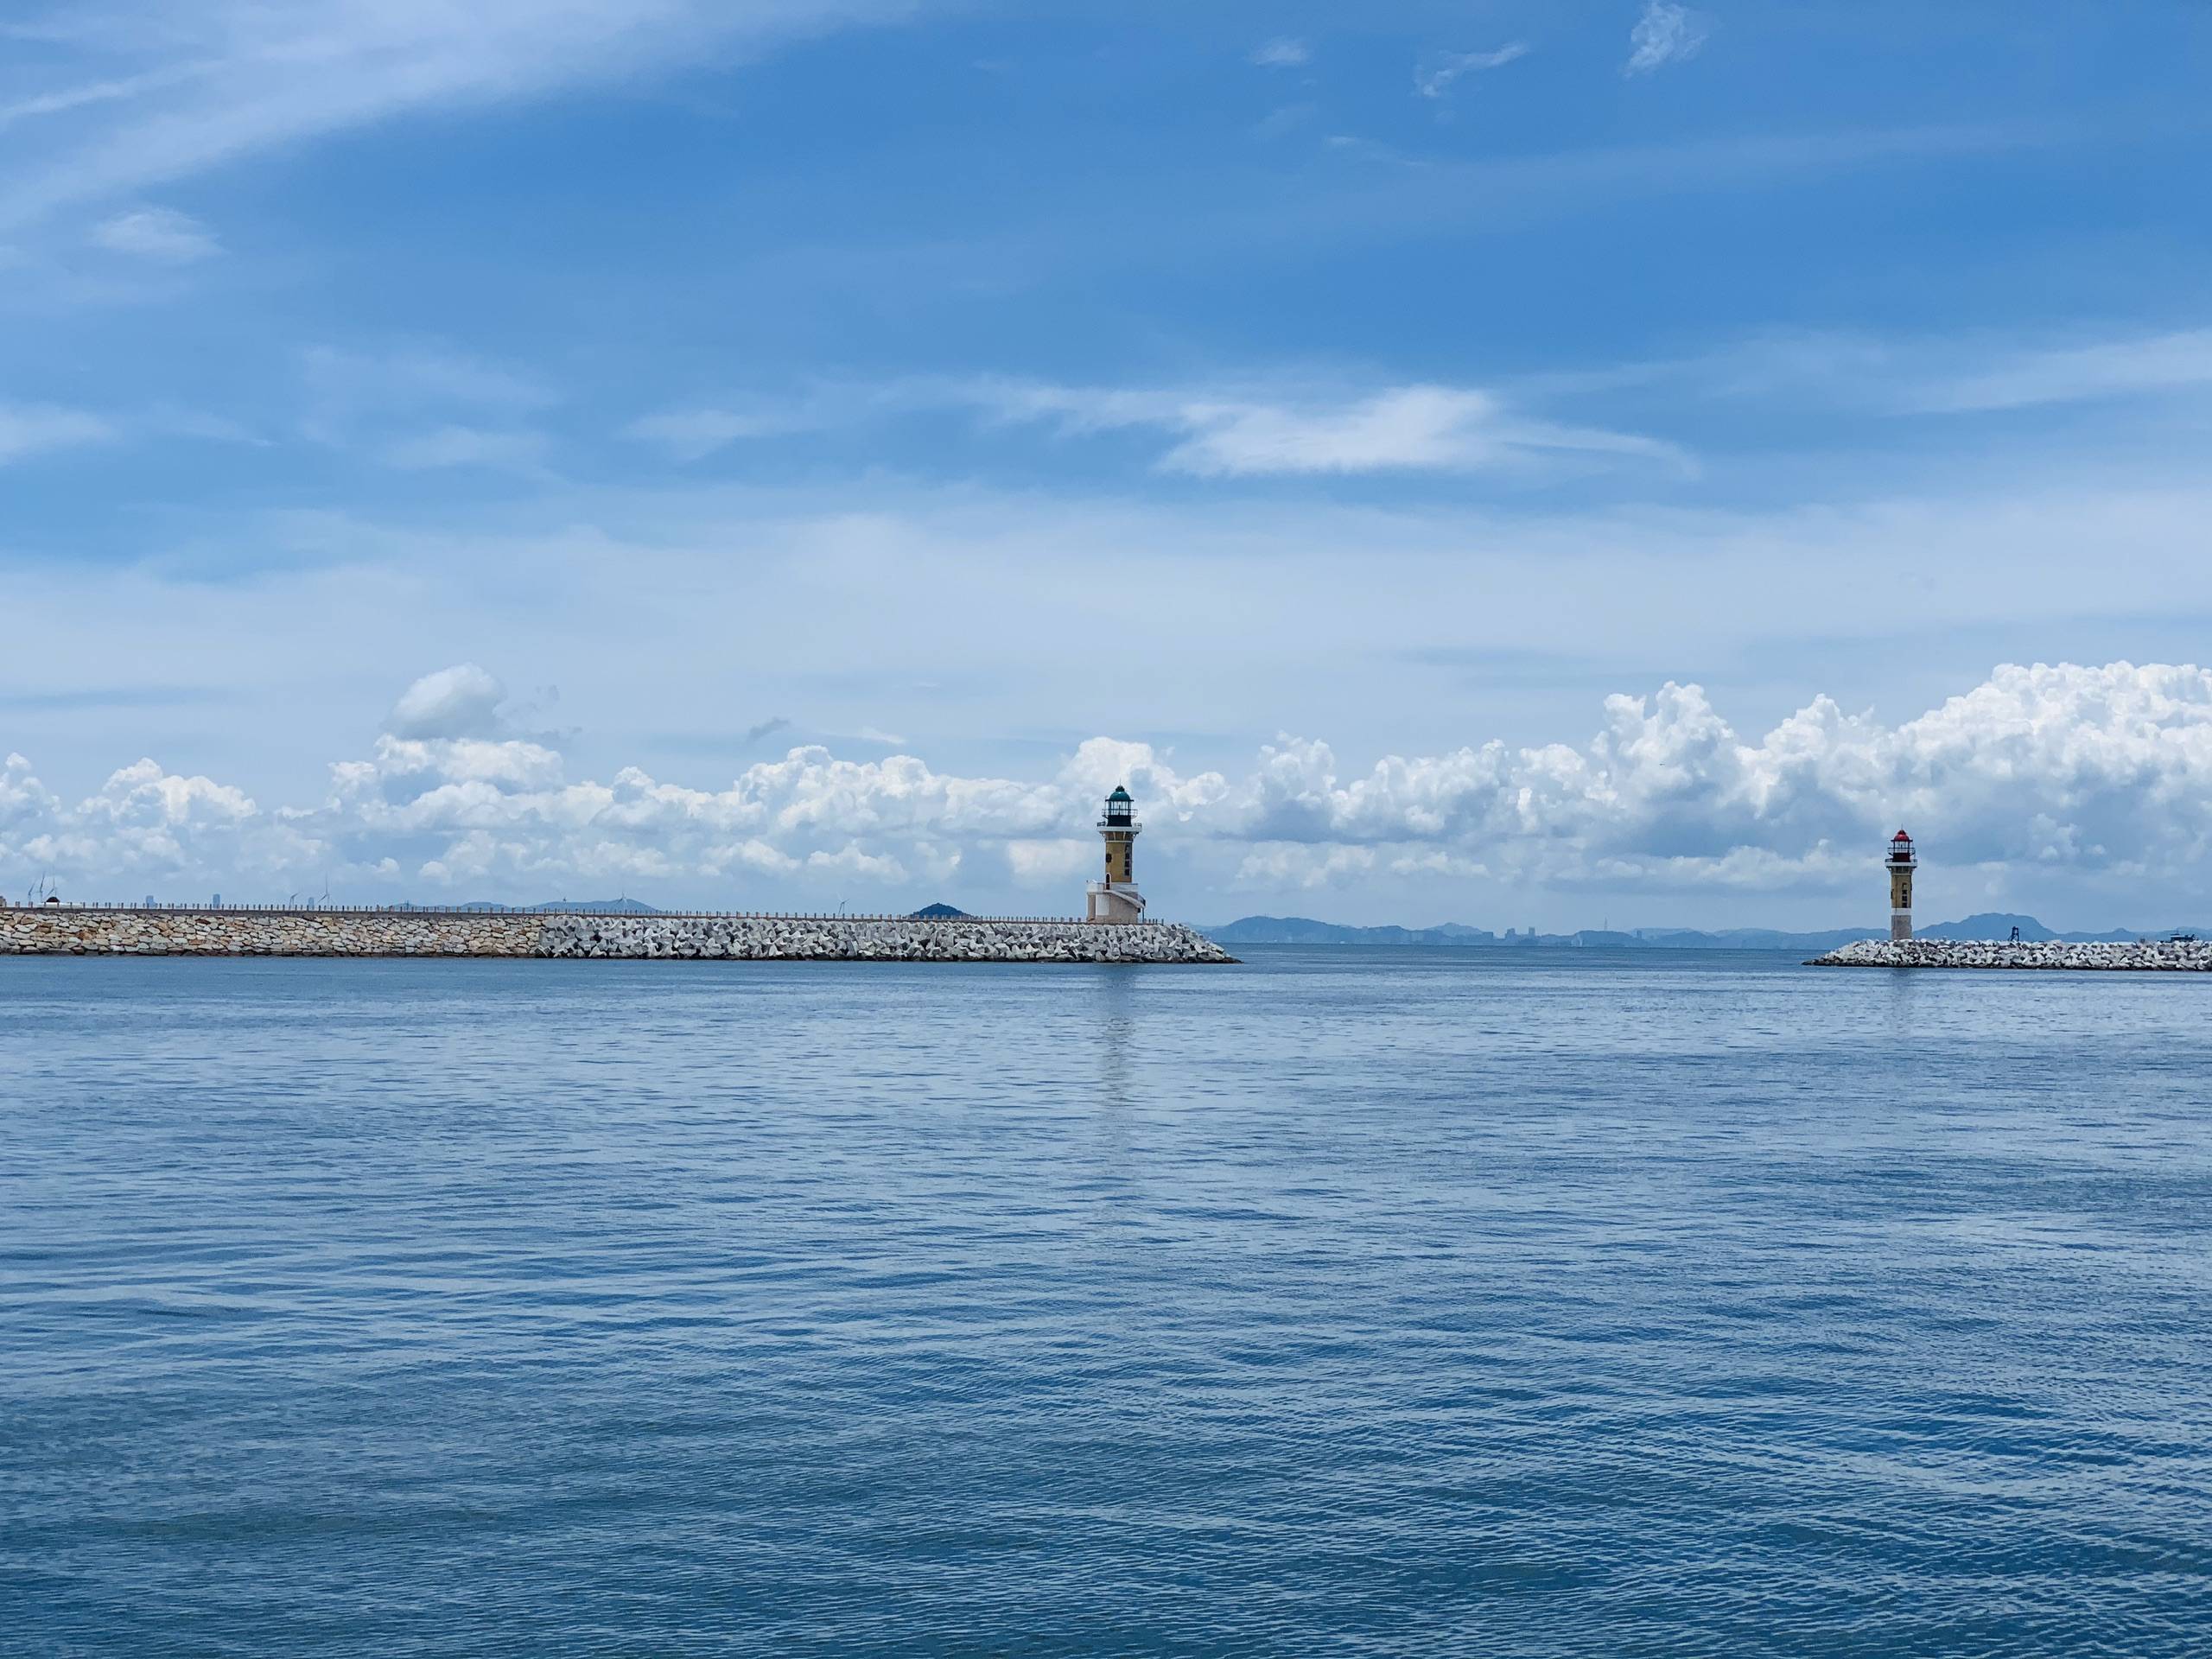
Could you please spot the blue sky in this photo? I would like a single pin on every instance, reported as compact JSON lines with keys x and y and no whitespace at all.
{"x":1317,"y":419}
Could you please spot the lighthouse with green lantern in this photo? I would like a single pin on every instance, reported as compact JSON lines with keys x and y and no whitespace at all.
{"x":1116,"y":898}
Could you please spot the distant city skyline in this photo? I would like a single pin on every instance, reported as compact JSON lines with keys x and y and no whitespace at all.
{"x":1508,"y":463}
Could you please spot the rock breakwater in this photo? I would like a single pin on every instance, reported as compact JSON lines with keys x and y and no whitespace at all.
{"x":2177,"y":955}
{"x":88,"y":931}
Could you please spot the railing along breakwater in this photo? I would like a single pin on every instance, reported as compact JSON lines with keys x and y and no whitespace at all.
{"x":368,"y":930}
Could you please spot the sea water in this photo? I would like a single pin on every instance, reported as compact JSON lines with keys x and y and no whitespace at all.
{"x":1350,"y":1302}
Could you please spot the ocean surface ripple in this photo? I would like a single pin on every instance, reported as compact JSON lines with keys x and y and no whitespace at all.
{"x":1354,"y":1302}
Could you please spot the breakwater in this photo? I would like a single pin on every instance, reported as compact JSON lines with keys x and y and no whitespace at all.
{"x":2177,"y":956}
{"x":126,"y":930}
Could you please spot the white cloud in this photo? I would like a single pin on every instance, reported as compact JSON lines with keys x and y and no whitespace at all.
{"x":146,"y":91}
{"x":2106,"y":369}
{"x":463,"y":701}
{"x":1436,"y":73}
{"x":27,"y":429}
{"x":1433,"y":861}
{"x":23,"y":799}
{"x":1402,"y":428}
{"x":1101,"y":763}
{"x":1282,"y":53}
{"x":1665,"y":34}
{"x":1953,"y":373}
{"x":851,"y":860}
{"x":469,"y":770}
{"x":65,"y":99}
{"x":144,"y":794}
{"x":2100,"y":769}
{"x":142,"y":820}
{"x":161,"y":234}
{"x":1231,"y":429}
{"x":1060,"y":861}
{"x":1279,"y":867}
{"x":751,"y":854}
{"x":2103,"y":772}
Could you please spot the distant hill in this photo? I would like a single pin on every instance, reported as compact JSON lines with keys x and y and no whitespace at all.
{"x":1303,"y":930}
{"x":939,"y":913}
{"x":1992,"y":925}
{"x":1988,"y":924}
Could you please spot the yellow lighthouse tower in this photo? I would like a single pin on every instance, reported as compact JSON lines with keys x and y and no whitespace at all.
{"x":1902,"y":863}
{"x":1116,"y":898}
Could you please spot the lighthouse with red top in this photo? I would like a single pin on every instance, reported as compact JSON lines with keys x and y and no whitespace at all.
{"x":1902,"y":862}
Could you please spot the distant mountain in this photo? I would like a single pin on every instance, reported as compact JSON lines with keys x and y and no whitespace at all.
{"x":939,"y":913}
{"x":1302,"y":930}
{"x":1989,"y":924}
{"x":1992,"y":925}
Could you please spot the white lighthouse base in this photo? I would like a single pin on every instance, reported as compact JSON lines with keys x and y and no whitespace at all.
{"x":1900,"y":926}
{"x":1115,"y":902}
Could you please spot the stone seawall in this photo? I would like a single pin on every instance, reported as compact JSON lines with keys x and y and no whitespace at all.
{"x":70,"y":930}
{"x":2180,"y":955}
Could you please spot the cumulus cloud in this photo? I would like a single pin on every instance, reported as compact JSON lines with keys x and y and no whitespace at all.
{"x":1665,"y":34}
{"x":1061,"y":860}
{"x":23,"y":799}
{"x":852,"y":860}
{"x":2104,"y":769}
{"x":1278,"y":867}
{"x":463,"y":701}
{"x":2103,"y":772}
{"x":142,"y":820}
